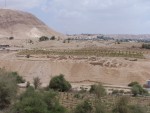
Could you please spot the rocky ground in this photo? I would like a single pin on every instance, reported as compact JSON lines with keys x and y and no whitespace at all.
{"x":77,"y":69}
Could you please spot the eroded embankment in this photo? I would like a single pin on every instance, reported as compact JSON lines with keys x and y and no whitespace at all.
{"x":106,"y":70}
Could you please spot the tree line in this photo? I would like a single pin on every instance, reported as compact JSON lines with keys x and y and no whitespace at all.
{"x":46,"y":100}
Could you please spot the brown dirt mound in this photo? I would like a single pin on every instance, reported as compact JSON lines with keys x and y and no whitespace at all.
{"x":22,"y":25}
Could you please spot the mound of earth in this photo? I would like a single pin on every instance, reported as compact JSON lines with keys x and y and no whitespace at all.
{"x":22,"y":25}
{"x":112,"y":71}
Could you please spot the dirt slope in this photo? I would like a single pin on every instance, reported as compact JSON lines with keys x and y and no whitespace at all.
{"x":22,"y":25}
{"x":115,"y":71}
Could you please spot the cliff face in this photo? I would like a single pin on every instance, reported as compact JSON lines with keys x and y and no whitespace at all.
{"x":21,"y":24}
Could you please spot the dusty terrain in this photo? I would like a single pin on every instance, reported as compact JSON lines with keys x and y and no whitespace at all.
{"x":22,"y":25}
{"x":110,"y":63}
{"x":77,"y":69}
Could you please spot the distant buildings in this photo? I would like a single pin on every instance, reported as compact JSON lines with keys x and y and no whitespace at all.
{"x":147,"y":85}
{"x":97,"y":37}
{"x":4,"y":46}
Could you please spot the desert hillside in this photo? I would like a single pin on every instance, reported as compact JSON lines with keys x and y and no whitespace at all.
{"x":80,"y":58}
{"x":22,"y":25}
{"x":78,"y":69}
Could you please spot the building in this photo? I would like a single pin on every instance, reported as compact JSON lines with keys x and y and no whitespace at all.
{"x":4,"y":46}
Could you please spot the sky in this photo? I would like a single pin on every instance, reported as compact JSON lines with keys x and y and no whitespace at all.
{"x":89,"y":16}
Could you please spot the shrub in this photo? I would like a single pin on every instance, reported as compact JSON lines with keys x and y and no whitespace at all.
{"x":138,"y":90}
{"x":100,"y":108}
{"x":146,"y":46}
{"x":135,"y":90}
{"x":92,"y":89}
{"x":64,"y":41}
{"x":28,"y":56}
{"x":11,"y":38}
{"x":31,"y":105}
{"x":8,"y":89}
{"x":30,"y":41}
{"x":84,"y":107}
{"x":133,"y":83}
{"x":30,"y":102}
{"x":36,"y":82}
{"x":19,"y":78}
{"x":121,"y":106}
{"x":28,"y":84}
{"x":43,"y":38}
{"x":121,"y":91}
{"x":118,"y":42}
{"x":69,"y":39}
{"x":52,"y":38}
{"x":82,"y":90}
{"x":115,"y":91}
{"x":33,"y":101}
{"x":99,"y":90}
{"x":59,"y":83}
{"x":137,"y":109}
{"x":77,"y":96}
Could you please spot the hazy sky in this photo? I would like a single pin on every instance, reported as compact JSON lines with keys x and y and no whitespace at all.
{"x":89,"y":16}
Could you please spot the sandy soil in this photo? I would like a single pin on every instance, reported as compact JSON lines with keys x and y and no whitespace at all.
{"x":114,"y":71}
{"x":25,"y":28}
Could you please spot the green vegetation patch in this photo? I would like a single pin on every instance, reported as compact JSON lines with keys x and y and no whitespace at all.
{"x":85,"y":52}
{"x":59,"y":83}
{"x":34,"y":101}
{"x":146,"y":46}
{"x":8,"y":88}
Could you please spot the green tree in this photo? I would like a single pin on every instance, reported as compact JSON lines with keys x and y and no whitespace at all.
{"x":8,"y":89}
{"x":135,"y":90}
{"x":138,"y":89}
{"x":43,"y":38}
{"x":30,"y":102}
{"x":59,"y":83}
{"x":84,"y":107}
{"x":34,"y":101}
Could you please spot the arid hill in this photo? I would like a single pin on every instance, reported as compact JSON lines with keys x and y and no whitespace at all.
{"x":22,"y":25}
